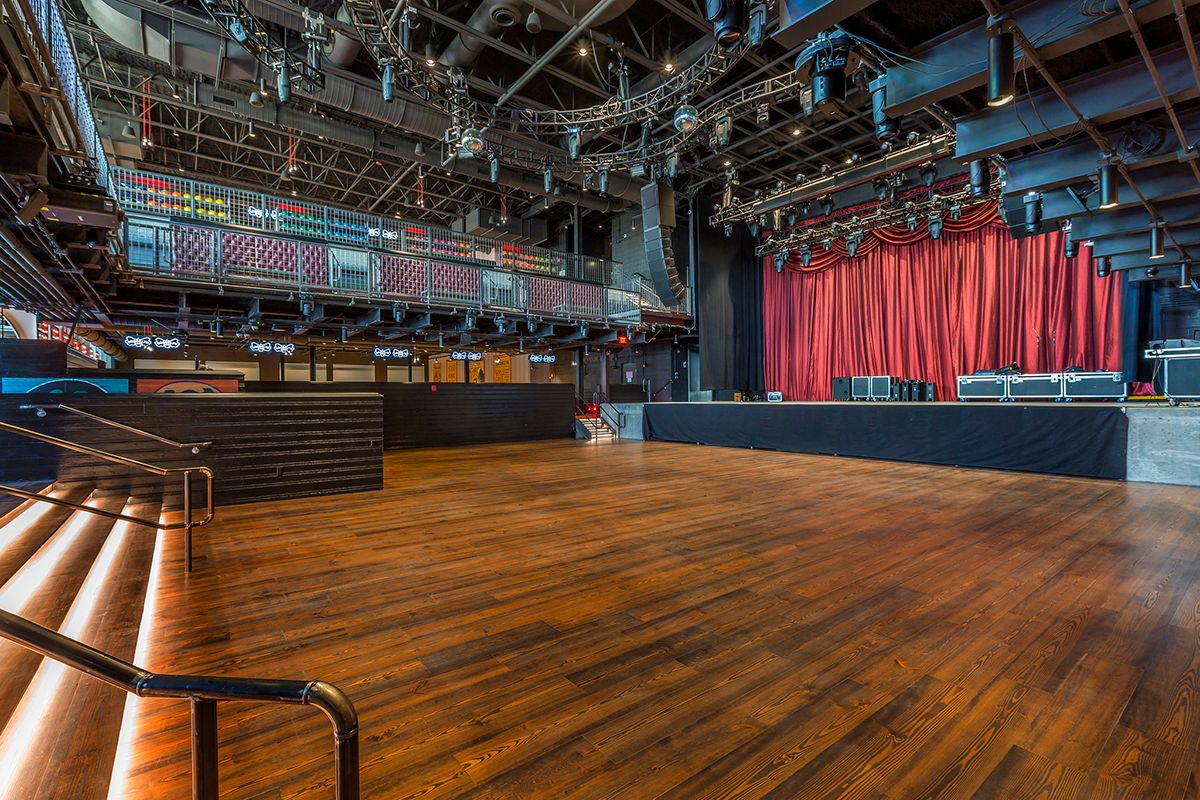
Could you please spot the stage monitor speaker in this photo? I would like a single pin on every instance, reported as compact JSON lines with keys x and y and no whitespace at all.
{"x":658,"y":220}
{"x":930,"y":392}
{"x":841,"y":388}
{"x":860,"y":387}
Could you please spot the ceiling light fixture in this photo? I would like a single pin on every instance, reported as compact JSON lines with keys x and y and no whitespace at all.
{"x":1001,"y":84}
{"x":1156,"y":240}
{"x":1108,"y":179}
{"x":533,"y":23}
{"x":687,"y":119}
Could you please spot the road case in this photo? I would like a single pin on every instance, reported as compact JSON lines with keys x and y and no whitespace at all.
{"x":982,"y":387}
{"x":1036,"y":386}
{"x":1095,"y":386}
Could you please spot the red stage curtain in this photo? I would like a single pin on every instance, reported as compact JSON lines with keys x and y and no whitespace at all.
{"x":975,"y":298}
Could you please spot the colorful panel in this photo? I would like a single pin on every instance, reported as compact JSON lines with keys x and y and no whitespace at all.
{"x":64,"y":386}
{"x":190,"y":385}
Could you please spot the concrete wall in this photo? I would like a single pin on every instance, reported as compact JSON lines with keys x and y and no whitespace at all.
{"x":633,"y":427}
{"x":1164,"y":445}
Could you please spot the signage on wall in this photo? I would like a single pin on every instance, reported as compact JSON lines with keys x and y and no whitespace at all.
{"x":391,"y":352}
{"x":148,"y":342}
{"x":261,"y":347}
{"x":466,"y":355}
{"x":542,"y":358}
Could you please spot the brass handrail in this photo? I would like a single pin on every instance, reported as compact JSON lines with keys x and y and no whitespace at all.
{"x":203,"y":692}
{"x":188,"y":522}
{"x":41,"y":409}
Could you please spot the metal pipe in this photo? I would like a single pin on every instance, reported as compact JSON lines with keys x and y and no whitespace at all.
{"x":205,"y":776}
{"x":549,"y":55}
{"x":42,"y":407}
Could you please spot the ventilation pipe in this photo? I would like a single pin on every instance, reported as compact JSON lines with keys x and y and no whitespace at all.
{"x":490,"y":17}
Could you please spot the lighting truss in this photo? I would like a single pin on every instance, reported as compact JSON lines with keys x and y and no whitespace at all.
{"x":249,"y":31}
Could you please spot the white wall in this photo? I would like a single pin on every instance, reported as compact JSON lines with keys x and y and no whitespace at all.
{"x":299,"y":372}
{"x":400,"y":374}
{"x":346,"y":373}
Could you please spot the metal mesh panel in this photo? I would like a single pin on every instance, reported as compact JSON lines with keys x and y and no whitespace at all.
{"x":451,"y":283}
{"x":587,"y":300}
{"x":160,"y":194}
{"x":546,"y":295}
{"x":304,"y":219}
{"x":143,"y":244}
{"x":403,"y":277}
{"x":350,"y":270}
{"x":414,"y":238}
{"x":245,"y":208}
{"x":258,"y":258}
{"x":314,"y":265}
{"x":501,"y":289}
{"x":621,"y":305}
{"x":210,"y":202}
{"x":193,"y":251}
{"x":350,"y":226}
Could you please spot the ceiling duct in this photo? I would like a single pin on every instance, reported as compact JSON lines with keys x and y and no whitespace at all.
{"x":344,"y":45}
{"x":490,"y":17}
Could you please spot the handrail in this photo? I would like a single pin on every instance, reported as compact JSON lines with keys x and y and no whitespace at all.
{"x":41,"y":409}
{"x":188,"y":522}
{"x":617,"y":423}
{"x":203,"y":692}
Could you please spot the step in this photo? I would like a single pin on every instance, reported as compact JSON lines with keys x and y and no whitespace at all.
{"x":72,"y":757}
{"x":44,"y":587}
{"x":27,"y":527}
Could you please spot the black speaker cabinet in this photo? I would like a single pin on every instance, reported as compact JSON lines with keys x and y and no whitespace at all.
{"x":930,"y":392}
{"x":841,"y":388}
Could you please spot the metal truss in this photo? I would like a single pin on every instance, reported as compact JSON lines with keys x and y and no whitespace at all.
{"x":252,"y":34}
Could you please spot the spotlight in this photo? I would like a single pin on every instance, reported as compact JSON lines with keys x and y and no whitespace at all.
{"x":623,"y":90}
{"x":644,"y":142}
{"x":430,"y":56}
{"x":912,"y":222}
{"x":754,"y":227}
{"x":1033,"y":212}
{"x":1109,"y":180}
{"x":238,"y":31}
{"x":672,"y":164}
{"x":824,"y":64}
{"x":602,"y":179}
{"x":548,"y":179}
{"x":583,"y":52}
{"x":293,"y":170}
{"x":1070,"y":246}
{"x":886,"y":128}
{"x":419,"y":149}
{"x":806,"y":255}
{"x":1185,"y":275}
{"x":472,"y":140}
{"x":388,"y":82}
{"x":1156,"y":241}
{"x":758,"y":24}
{"x":852,"y":245}
{"x":1001,"y":85}
{"x":779,"y":256}
{"x":533,"y":23}
{"x":250,"y":133}
{"x":174,"y":90}
{"x":762,"y":116}
{"x":935,"y":225}
{"x":258,"y":98}
{"x":928,"y":174}
{"x":494,"y":167}
{"x":686,"y":118}
{"x":283,"y":82}
{"x":669,"y":68}
{"x":727,"y":196}
{"x":1103,"y":266}
{"x":728,"y":18}
{"x":792,"y":219}
{"x":826,"y":205}
{"x":981,"y":178}
{"x":573,"y":142}
{"x":1151,"y":272}
{"x":728,"y":230}
{"x":722,"y":129}
{"x":129,"y":132}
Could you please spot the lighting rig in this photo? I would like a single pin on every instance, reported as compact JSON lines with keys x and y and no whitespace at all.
{"x":252,"y":34}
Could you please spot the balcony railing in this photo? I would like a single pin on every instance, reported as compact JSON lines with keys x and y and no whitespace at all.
{"x":215,"y":256}
{"x":180,"y":198}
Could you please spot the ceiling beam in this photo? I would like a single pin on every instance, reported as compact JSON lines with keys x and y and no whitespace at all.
{"x":801,"y":20}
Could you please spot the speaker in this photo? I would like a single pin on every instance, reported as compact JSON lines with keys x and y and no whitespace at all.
{"x":930,"y":392}
{"x":894,"y":392}
{"x":658,"y":220}
{"x":841,"y":388}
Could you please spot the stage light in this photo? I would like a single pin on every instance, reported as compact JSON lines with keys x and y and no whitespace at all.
{"x":494,"y":167}
{"x":129,"y":132}
{"x":792,"y":219}
{"x":1109,"y":178}
{"x":472,"y":140}
{"x":1033,"y":212}
{"x":912,"y":222}
{"x":174,"y":90}
{"x":250,"y":133}
{"x":754,"y":228}
{"x":1185,"y":275}
{"x":388,"y":82}
{"x":779,"y":257}
{"x":852,"y":246}
{"x":928,"y":174}
{"x":1070,"y":246}
{"x":686,"y":118}
{"x":824,"y":63}
{"x":258,"y":98}
{"x":430,"y":56}
{"x":935,"y":225}
{"x":548,"y":179}
{"x":583,"y":52}
{"x":1156,"y":241}
{"x":758,"y":24}
{"x":762,"y":116}
{"x":728,"y":230}
{"x":533,"y":23}
{"x":805,"y":255}
{"x":602,"y":178}
{"x":1001,"y":85}
{"x":1151,"y":272}
{"x":668,"y":68}
{"x":1103,"y":266}
{"x":826,"y":205}
{"x":283,"y":82}
{"x":573,"y":141}
{"x":722,"y":129}
{"x":418,"y":149}
{"x":981,"y":178}
{"x":672,"y":164}
{"x":729,"y":20}
{"x":886,"y":128}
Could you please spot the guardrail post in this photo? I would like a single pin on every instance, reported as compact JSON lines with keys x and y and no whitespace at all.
{"x":187,"y":521}
{"x":205,"y":776}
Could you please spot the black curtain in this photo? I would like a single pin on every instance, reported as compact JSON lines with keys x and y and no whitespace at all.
{"x":728,"y":304}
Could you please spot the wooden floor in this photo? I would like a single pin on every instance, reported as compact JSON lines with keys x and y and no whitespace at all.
{"x":568,"y":621}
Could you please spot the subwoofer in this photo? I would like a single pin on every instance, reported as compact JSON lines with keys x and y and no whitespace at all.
{"x":841,"y":388}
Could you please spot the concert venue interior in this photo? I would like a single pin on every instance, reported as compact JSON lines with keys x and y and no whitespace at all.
{"x":599,"y":399}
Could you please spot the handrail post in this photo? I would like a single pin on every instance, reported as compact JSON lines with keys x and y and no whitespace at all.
{"x":205,"y":774}
{"x":187,"y":521}
{"x":345,"y":765}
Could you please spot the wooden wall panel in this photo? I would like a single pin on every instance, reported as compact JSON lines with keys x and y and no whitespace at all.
{"x":265,"y":446}
{"x":441,"y":414}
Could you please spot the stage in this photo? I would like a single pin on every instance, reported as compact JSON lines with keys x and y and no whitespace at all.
{"x":1097,"y":440}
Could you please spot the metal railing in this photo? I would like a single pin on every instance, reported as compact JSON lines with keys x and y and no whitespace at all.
{"x":203,"y":692}
{"x":186,"y":524}
{"x":184,"y":253}
{"x":612,"y":417}
{"x":42,"y":408}
{"x":181,"y":198}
